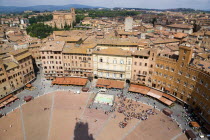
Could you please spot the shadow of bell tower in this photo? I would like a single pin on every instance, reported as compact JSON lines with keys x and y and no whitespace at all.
{"x":81,"y":132}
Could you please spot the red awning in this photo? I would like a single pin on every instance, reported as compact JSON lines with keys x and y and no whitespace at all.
{"x":139,"y":89}
{"x":110,"y":83}
{"x":70,"y":81}
{"x":28,"y":85}
{"x":165,"y":101}
{"x":169,"y":97}
{"x":6,"y":98}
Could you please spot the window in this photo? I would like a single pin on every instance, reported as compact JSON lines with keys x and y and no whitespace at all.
{"x":140,"y":64}
{"x":121,"y":75}
{"x":182,"y":64}
{"x":187,"y":75}
{"x":172,"y":69}
{"x":114,"y":75}
{"x":145,"y":64}
{"x":135,"y":63}
{"x":101,"y":60}
{"x":107,"y":74}
{"x":192,"y":86}
{"x":183,"y":58}
{"x":121,"y":62}
{"x":151,"y":66}
{"x":157,"y":65}
{"x":194,"y":78}
{"x":115,"y":61}
{"x":180,"y":72}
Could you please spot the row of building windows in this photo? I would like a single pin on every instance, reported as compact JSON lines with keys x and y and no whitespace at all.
{"x":114,"y":61}
{"x":50,"y":52}
{"x":51,"y":62}
{"x":109,"y":75}
{"x":2,"y":81}
{"x":52,"y":67}
{"x":14,"y":75}
{"x":140,"y":64}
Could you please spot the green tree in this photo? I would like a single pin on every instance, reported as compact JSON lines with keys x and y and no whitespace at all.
{"x":40,"y":18}
{"x":39,"y":30}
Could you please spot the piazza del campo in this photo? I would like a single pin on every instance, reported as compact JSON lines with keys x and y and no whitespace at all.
{"x":93,"y":73}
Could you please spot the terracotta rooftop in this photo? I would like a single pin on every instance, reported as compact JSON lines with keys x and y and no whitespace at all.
{"x":113,"y":51}
{"x":142,"y":53}
{"x":75,"y":50}
{"x":72,"y":38}
{"x":180,"y":35}
{"x":22,"y":56}
{"x":165,"y":41}
{"x":10,"y":65}
{"x":53,"y":46}
{"x":16,"y":52}
{"x":182,"y":26}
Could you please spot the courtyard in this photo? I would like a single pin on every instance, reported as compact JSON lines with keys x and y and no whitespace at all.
{"x":55,"y":116}
{"x":57,"y":113}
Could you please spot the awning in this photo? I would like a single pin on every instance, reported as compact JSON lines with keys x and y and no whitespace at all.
{"x":6,"y":98}
{"x":110,"y":83}
{"x":154,"y":93}
{"x":138,"y":89}
{"x":70,"y":81}
{"x":28,"y":85}
{"x":195,"y":124}
{"x":165,"y":101}
{"x":169,"y":97}
{"x":13,"y":98}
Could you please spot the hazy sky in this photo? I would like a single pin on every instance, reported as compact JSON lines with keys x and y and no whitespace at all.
{"x":158,"y":4}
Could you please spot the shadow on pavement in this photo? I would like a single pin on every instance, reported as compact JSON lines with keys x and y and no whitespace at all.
{"x":81,"y":132}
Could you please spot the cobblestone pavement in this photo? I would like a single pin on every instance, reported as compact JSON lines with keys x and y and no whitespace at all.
{"x":43,"y":86}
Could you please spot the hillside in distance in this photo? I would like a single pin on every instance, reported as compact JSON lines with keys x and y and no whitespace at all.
{"x":14,"y":9}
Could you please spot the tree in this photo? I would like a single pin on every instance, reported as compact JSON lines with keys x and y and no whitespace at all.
{"x":154,"y":20}
{"x":39,"y":30}
{"x":40,"y":18}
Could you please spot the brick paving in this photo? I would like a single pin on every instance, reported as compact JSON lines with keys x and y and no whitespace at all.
{"x":69,"y":106}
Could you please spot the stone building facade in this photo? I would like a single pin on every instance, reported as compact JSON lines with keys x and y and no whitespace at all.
{"x":15,"y":72}
{"x":187,"y":83}
{"x":61,"y":19}
{"x":52,"y":60}
{"x":142,"y":66}
{"x":112,"y":63}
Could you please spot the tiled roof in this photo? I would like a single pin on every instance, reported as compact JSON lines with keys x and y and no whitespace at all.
{"x":16,"y":52}
{"x":141,"y":53}
{"x":183,"y":26}
{"x":22,"y":56}
{"x":10,"y":65}
{"x":53,"y":46}
{"x":113,"y":51}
